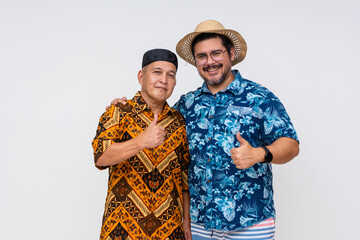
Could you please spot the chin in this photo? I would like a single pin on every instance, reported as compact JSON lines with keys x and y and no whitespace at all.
{"x":161,"y":98}
{"x":214,"y":82}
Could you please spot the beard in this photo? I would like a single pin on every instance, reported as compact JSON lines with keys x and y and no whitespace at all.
{"x":218,"y":81}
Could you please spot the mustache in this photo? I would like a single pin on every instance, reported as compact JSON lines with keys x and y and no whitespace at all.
{"x":207,"y":67}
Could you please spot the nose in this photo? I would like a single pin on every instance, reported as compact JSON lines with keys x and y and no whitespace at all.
{"x":163,"y":78}
{"x":209,"y":60}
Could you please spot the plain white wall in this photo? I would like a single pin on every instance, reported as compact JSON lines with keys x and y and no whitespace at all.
{"x":61,"y":62}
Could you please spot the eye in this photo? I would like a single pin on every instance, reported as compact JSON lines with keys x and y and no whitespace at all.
{"x":201,"y":56}
{"x":157,"y":72}
{"x":216,"y":53}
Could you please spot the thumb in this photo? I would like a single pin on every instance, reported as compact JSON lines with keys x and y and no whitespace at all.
{"x":154,"y":122}
{"x":241,"y":140}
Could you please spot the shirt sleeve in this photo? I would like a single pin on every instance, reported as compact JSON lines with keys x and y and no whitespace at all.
{"x":107,"y":132}
{"x":276,"y":122}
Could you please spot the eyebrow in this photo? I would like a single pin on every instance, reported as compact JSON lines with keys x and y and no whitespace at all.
{"x":159,"y":68}
{"x":203,"y":53}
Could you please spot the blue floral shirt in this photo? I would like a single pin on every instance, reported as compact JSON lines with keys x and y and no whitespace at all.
{"x":222,"y":196}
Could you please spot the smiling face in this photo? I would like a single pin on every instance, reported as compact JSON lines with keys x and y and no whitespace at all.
{"x":217,"y":74}
{"x":157,"y":81}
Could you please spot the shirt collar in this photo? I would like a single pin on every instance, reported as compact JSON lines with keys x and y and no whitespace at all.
{"x":234,"y":86}
{"x":140,"y":105}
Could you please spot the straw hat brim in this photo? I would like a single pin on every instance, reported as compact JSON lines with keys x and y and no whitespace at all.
{"x":183,"y":48}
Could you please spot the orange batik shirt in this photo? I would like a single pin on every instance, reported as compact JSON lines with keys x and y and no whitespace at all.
{"x":144,"y":198}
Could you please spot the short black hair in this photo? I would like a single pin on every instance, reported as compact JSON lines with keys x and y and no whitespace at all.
{"x":205,"y":36}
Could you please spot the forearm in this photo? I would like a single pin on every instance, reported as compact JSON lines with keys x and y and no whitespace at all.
{"x":186,"y":205}
{"x":186,"y":217}
{"x":284,"y":150}
{"x":118,"y":152}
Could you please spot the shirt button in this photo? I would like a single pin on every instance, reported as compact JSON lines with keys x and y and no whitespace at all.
{"x":209,"y":138}
{"x":208,"y":181}
{"x":214,"y":98}
{"x":211,"y":116}
{"x":209,"y":160}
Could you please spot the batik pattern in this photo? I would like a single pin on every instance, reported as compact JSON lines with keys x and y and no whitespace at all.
{"x":144,"y":199}
{"x":222,"y":196}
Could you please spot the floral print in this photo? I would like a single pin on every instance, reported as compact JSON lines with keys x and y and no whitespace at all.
{"x":222,"y":196}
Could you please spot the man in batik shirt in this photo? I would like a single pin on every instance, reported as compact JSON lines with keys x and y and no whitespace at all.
{"x":144,"y":145}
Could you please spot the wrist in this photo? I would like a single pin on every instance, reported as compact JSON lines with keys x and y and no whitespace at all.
{"x":138,"y":143}
{"x":186,"y":219}
{"x":268,"y":156}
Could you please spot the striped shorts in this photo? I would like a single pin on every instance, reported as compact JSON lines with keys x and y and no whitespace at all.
{"x":261,"y":231}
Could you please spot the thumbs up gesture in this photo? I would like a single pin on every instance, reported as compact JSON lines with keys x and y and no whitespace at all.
{"x":246,"y":156}
{"x":153,"y":135}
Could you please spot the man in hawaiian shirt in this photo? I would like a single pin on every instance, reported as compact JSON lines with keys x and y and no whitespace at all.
{"x":236,"y":129}
{"x":144,"y":145}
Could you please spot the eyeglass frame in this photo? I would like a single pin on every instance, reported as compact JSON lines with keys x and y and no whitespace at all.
{"x":211,"y":55}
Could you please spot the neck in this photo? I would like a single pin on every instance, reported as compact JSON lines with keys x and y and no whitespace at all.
{"x":217,"y":88}
{"x":155,"y":106}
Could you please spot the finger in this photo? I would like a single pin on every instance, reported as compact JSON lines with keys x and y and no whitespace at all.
{"x":115,"y":101}
{"x":119,"y":100}
{"x":241,"y":140}
{"x":235,"y":157}
{"x":154,"y":122}
{"x":122,"y":100}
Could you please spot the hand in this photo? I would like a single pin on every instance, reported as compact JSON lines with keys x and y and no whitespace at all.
{"x":153,"y":136}
{"x":117,"y":100}
{"x":246,"y":156}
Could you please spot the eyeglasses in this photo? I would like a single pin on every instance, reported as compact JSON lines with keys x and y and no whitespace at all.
{"x":217,"y":55}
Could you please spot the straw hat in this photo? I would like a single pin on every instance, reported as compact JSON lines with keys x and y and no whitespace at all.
{"x":183,"y":48}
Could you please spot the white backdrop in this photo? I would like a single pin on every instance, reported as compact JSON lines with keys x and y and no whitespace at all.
{"x":61,"y":62}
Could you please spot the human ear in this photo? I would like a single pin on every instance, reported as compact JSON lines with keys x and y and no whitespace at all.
{"x":232,"y":54}
{"x":140,"y":77}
